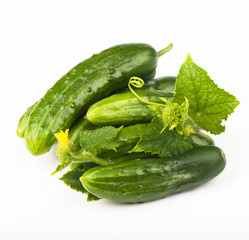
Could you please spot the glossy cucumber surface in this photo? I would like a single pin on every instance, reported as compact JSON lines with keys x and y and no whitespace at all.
{"x":88,"y":82}
{"x":22,"y":123}
{"x":166,"y":83}
{"x":124,"y":108}
{"x":144,"y":180}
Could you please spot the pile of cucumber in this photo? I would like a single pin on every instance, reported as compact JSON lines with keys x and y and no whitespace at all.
{"x":94,"y":95}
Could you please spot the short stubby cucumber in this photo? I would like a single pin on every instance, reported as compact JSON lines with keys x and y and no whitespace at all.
{"x":125,"y":108}
{"x":144,"y":180}
{"x":88,"y":82}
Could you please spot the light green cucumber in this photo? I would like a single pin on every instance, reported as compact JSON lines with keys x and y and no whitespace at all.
{"x":124,"y":108}
{"x":22,"y":123}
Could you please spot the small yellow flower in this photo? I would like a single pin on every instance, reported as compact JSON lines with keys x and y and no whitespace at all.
{"x":188,"y":130}
{"x":62,"y":137}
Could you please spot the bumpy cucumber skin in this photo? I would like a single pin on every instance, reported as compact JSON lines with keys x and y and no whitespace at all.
{"x":144,"y":180}
{"x":88,"y":82}
{"x":125,"y":108}
{"x":22,"y":123}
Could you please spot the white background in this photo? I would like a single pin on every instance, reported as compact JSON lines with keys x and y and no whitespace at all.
{"x":41,"y":40}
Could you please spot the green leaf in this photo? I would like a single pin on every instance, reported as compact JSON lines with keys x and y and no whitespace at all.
{"x":209,"y":105}
{"x":129,"y":135}
{"x":72,"y":179}
{"x":91,"y":197}
{"x":99,"y":139}
{"x":167,"y":143}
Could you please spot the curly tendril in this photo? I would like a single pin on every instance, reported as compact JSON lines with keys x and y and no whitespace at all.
{"x":138,"y":83}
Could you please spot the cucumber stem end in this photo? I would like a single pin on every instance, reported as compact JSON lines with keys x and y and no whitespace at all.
{"x":165,"y":50}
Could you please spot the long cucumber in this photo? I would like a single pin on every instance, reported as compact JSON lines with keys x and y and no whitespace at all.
{"x":88,"y":82}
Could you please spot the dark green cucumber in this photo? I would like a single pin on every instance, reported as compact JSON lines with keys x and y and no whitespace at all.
{"x":125,"y":109}
{"x":88,"y":82}
{"x":144,"y":180}
{"x":22,"y":123}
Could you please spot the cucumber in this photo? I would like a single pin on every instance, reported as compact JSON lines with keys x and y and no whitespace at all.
{"x":22,"y":123}
{"x":125,"y":109}
{"x":144,"y":180}
{"x":88,"y":82}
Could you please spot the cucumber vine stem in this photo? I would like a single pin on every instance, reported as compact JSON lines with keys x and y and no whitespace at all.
{"x":165,"y":50}
{"x":86,"y":156}
{"x":138,"y":83}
